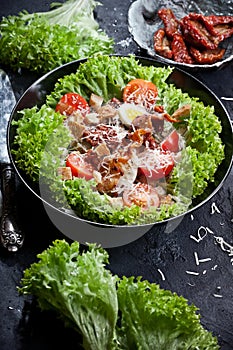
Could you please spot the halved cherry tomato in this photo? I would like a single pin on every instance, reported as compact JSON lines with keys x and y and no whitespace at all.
{"x":142,"y":195}
{"x":158,"y":172}
{"x":71,"y":102}
{"x":79,"y":167}
{"x":171,"y":142}
{"x":140,"y":91}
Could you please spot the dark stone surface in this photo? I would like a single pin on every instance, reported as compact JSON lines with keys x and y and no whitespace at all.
{"x":163,"y":251}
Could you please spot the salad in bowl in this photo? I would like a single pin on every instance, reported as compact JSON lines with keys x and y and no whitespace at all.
{"x":115,"y":143}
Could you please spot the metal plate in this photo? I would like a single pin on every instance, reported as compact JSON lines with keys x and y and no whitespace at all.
{"x":143,"y":22}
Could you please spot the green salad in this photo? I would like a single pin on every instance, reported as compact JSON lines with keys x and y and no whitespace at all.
{"x":165,"y":145}
{"x":109,"y":311}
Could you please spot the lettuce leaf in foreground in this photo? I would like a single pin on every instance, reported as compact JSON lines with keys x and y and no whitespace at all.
{"x":112,"y":313}
{"x":153,"y":318}
{"x":79,"y":288}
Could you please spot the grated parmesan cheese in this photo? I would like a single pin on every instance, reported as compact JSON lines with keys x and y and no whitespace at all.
{"x":192,"y":273}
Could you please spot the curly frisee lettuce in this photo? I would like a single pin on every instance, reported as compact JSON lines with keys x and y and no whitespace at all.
{"x":41,"y":141}
{"x":112,"y":313}
{"x":43,"y":41}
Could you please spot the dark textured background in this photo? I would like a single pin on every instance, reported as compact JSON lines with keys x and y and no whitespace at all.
{"x":24,"y":326}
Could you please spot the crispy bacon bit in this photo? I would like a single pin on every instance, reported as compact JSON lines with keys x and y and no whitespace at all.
{"x":182,"y":112}
{"x":159,"y":109}
{"x":138,"y":136}
{"x":180,"y":51}
{"x":171,"y":24}
{"x":207,"y":56}
{"x":111,"y":171}
{"x":101,"y":133}
{"x":162,"y":45}
{"x":143,"y":137}
{"x":114,"y":102}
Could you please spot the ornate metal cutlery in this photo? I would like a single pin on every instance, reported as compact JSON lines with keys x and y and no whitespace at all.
{"x":10,"y":235}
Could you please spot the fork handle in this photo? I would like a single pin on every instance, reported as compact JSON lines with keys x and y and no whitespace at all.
{"x":10,"y":234}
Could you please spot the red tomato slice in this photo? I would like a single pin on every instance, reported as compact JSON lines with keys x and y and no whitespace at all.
{"x":142,"y":195}
{"x":79,"y":167}
{"x":161,"y":171}
{"x":72,"y":102}
{"x":140,"y":91}
{"x":171,"y":143}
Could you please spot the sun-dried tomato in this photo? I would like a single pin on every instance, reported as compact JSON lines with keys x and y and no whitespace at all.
{"x":162,"y":45}
{"x":195,"y":33}
{"x":193,"y":39}
{"x":215,"y":20}
{"x":171,"y":23}
{"x":180,"y":51}
{"x":207,"y":56}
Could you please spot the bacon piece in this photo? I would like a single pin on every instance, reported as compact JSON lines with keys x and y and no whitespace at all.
{"x":171,"y":23}
{"x":162,"y":44}
{"x":111,"y":170}
{"x":181,"y":113}
{"x":101,"y":133}
{"x":196,"y":33}
{"x":180,"y":51}
{"x":207,"y":56}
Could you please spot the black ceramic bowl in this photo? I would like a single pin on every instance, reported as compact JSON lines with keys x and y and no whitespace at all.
{"x":144,"y":22}
{"x":109,"y":235}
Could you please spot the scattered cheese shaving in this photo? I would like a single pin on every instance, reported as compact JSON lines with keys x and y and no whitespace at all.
{"x":162,"y":275}
{"x":214,"y":209}
{"x":192,"y":273}
{"x":217,"y":295}
{"x":198,"y":261}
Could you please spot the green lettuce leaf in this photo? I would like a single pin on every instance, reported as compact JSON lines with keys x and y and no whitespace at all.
{"x":34,"y":129}
{"x":153,"y":318}
{"x":43,"y":41}
{"x":106,"y":76}
{"x":112,"y":313}
{"x":79,"y":288}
